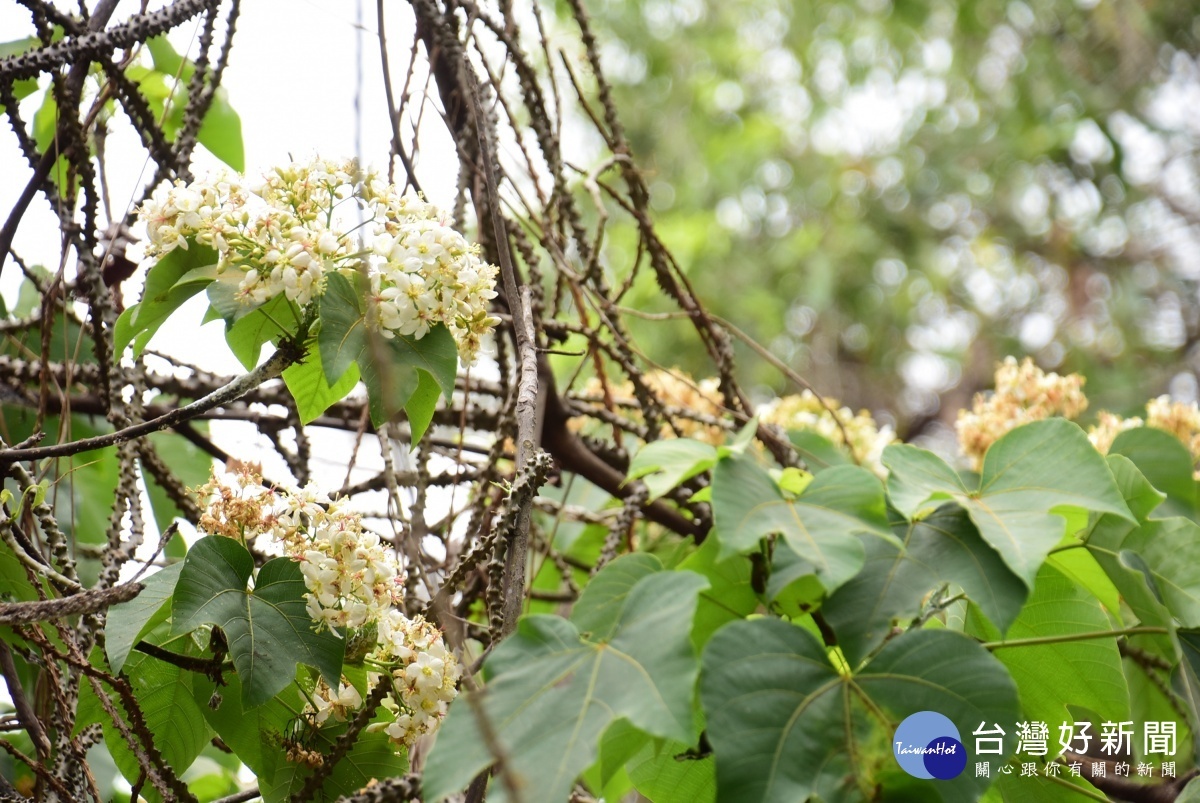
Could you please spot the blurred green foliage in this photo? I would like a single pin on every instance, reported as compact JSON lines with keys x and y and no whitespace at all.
{"x":893,"y":196}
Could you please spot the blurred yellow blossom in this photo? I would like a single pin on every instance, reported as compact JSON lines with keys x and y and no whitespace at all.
{"x":1181,"y":419}
{"x":1024,"y":393}
{"x":695,"y":406}
{"x":805,"y":411}
{"x":1108,"y":427}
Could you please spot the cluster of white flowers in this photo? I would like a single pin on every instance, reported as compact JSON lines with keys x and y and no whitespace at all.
{"x":286,"y":231}
{"x":424,"y":681}
{"x":339,"y":705}
{"x":353,"y":582}
{"x":859,"y":432}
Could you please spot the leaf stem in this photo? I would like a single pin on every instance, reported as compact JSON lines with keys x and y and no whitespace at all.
{"x":1039,"y":640}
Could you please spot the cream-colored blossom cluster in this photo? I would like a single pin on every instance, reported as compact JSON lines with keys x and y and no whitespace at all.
{"x":1107,"y":427}
{"x":700,"y":398}
{"x":805,"y":411}
{"x":327,"y":704}
{"x":424,"y":677}
{"x":700,"y":401}
{"x":424,"y":680}
{"x":1181,"y":419}
{"x":353,"y":582}
{"x":1024,"y":393}
{"x":702,"y":404}
{"x":284,"y":232}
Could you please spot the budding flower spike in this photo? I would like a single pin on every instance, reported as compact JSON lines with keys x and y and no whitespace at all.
{"x":284,"y":232}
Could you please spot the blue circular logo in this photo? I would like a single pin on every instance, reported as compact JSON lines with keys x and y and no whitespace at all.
{"x":927,"y":745}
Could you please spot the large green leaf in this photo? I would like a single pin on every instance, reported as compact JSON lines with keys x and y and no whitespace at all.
{"x":253,"y":733}
{"x":819,"y":525}
{"x":372,"y":757}
{"x":1128,"y":571}
{"x":817,"y":452}
{"x":1081,"y":567}
{"x":1164,"y":461}
{"x":1014,"y":788}
{"x":1029,"y":475}
{"x":26,"y":86}
{"x":662,"y":774}
{"x":1169,"y":551}
{"x":247,"y":333}
{"x":435,"y":354}
{"x":620,"y":743}
{"x":943,"y":549}
{"x":307,"y":382}
{"x":1190,"y":793}
{"x":343,"y":335}
{"x":172,"y":280}
{"x":421,"y":406}
{"x":268,"y":629}
{"x":1053,"y":676}
{"x":785,"y":724}
{"x":664,"y":464}
{"x":551,"y":693}
{"x":390,"y":367}
{"x":598,"y":610}
{"x":45,"y":129}
{"x":1149,"y":703}
{"x":82,"y":487}
{"x":1186,"y":681}
{"x":129,"y":621}
{"x":730,"y":594}
{"x":221,"y":130}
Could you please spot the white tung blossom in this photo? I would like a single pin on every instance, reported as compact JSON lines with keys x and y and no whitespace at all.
{"x":354,"y":582}
{"x":285,"y":231}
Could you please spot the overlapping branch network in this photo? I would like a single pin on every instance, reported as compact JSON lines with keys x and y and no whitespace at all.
{"x":542,"y":209}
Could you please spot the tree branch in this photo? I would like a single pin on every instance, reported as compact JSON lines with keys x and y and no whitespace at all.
{"x":96,"y":599}
{"x":273,"y":367}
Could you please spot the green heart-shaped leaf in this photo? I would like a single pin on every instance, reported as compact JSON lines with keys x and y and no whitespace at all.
{"x":785,"y":724}
{"x":551,"y":693}
{"x":820,"y":525}
{"x":268,"y":629}
{"x":1028,"y":475}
